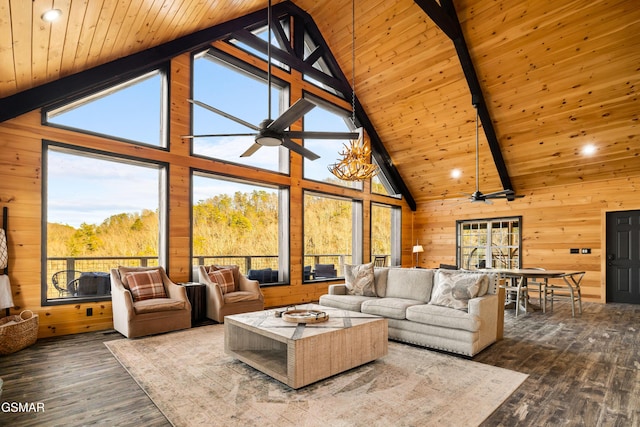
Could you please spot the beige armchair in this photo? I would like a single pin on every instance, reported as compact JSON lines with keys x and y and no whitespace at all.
{"x":137,"y":314}
{"x":245,"y":297}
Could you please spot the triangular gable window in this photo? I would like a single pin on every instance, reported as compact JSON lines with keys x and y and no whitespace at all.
{"x":132,"y":111}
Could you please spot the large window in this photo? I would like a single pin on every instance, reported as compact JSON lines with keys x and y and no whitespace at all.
{"x":489,"y":243}
{"x":95,"y":220}
{"x":133,"y":111}
{"x":385,"y":233}
{"x":327,"y":118}
{"x":332,"y":235}
{"x":242,"y":95}
{"x":241,"y":223}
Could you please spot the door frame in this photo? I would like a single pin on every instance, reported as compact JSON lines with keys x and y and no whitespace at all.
{"x":603,"y":244}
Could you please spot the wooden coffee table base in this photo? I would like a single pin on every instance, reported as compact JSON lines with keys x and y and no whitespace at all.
{"x":301,"y":354}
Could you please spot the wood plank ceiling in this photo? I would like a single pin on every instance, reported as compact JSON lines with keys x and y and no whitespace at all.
{"x":555,"y":76}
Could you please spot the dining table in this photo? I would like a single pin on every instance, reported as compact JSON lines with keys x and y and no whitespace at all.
{"x":521,"y":275}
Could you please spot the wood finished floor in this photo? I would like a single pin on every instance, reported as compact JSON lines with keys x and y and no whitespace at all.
{"x":582,"y":372}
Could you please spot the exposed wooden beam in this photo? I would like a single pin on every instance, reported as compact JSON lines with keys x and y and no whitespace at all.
{"x":445,"y":16}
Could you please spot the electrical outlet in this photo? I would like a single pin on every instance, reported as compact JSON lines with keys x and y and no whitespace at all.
{"x":89,"y":311}
{"x":586,"y":250}
{"x":574,"y":251}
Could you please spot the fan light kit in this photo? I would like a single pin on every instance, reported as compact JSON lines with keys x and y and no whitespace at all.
{"x":272,"y":133}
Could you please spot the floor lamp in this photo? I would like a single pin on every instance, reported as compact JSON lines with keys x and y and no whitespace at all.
{"x":416,"y":250}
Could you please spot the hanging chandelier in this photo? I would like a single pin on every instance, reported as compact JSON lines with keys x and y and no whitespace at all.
{"x":355,"y":164}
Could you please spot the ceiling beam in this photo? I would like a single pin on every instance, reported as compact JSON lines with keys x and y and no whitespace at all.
{"x":444,"y":16}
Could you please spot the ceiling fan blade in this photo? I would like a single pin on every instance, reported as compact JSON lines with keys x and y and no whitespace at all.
{"x":299,"y":149}
{"x":293,"y":113}
{"x":321,"y":135}
{"x":498,"y":194}
{"x":217,"y":134}
{"x":224,"y":114}
{"x":251,"y":150}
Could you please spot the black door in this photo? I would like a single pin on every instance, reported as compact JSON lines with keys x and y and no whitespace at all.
{"x":623,"y":257}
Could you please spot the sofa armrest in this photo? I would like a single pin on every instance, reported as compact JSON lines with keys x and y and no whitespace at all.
{"x":486,"y":308}
{"x":338,"y":289}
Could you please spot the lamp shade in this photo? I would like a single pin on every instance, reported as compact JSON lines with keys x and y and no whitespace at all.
{"x":418,"y":249}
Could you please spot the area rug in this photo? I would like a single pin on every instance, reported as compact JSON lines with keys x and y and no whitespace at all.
{"x":193,"y":382}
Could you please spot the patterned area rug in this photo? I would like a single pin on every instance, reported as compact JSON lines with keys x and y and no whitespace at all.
{"x":193,"y":382}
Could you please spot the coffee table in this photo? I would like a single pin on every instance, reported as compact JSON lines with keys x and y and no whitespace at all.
{"x":298,"y":354}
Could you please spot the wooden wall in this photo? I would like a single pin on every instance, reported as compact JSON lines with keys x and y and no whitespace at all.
{"x":554,"y":219}
{"x":21,"y":191}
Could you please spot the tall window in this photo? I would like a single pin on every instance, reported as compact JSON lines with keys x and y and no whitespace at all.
{"x":326,"y":118}
{"x":244,"y":96}
{"x":489,"y":243}
{"x":133,"y":111}
{"x":96,"y":220}
{"x":241,"y":223}
{"x":385,"y":233}
{"x":332,"y":235}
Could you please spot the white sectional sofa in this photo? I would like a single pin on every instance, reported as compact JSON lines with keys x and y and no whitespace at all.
{"x":433,"y":308}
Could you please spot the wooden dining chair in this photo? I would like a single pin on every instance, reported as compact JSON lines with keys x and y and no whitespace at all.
{"x":565,"y":287}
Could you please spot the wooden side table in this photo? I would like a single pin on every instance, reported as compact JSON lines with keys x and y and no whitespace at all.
{"x":197,"y":295}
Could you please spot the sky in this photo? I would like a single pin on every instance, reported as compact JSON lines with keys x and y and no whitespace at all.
{"x":86,"y":189}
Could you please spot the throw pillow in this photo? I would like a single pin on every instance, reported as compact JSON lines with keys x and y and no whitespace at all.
{"x":360,"y":279}
{"x":454,"y":290}
{"x":234,"y":269}
{"x":146,"y":285}
{"x":224,"y":279}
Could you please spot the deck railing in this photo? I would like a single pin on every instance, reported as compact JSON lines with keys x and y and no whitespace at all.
{"x":245,"y":262}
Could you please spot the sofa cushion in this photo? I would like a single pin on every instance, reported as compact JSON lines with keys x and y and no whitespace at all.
{"x":414,"y":284}
{"x":344,"y":302}
{"x":224,"y":279}
{"x":381,"y":275}
{"x":359,"y":279}
{"x":453,"y":289}
{"x":157,"y":304}
{"x":435,"y":315}
{"x":145,"y":285}
{"x":393,"y":308}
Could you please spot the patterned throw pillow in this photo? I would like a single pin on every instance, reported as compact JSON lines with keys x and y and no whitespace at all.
{"x":146,"y":285}
{"x":453,"y":289}
{"x":360,"y":279}
{"x":224,"y":279}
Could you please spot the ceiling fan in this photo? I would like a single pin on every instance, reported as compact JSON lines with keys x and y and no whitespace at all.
{"x":479,"y":196}
{"x":272,"y":133}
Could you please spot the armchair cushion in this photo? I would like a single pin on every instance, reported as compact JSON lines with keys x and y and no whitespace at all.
{"x":158,"y":304}
{"x":145,"y":285}
{"x":224,"y":279}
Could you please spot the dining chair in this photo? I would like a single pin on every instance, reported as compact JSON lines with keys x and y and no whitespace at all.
{"x":539,"y":284}
{"x":568,"y":288}
{"x":379,"y":261}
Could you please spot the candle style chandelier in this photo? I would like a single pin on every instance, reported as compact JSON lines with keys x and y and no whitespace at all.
{"x":355,"y":164}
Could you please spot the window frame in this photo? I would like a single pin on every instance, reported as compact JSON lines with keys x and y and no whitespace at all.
{"x":164,"y":127}
{"x":163,"y":225}
{"x":489,"y":242}
{"x":284,"y":220}
{"x":395,"y":232}
{"x":357,"y":230}
{"x":233,"y":63}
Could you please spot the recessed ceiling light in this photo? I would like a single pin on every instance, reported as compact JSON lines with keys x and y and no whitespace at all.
{"x":51,"y":15}
{"x":588,"y":149}
{"x":456,"y":173}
